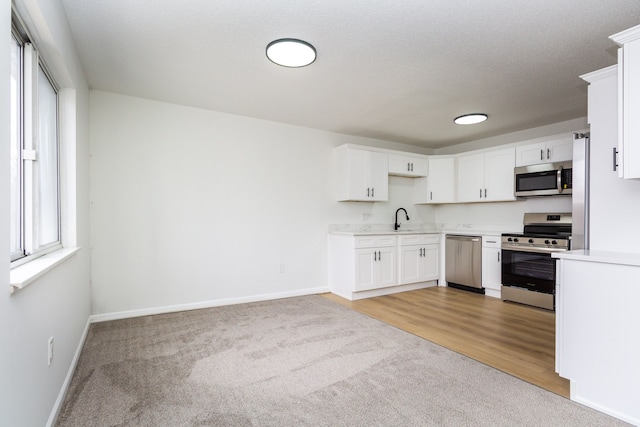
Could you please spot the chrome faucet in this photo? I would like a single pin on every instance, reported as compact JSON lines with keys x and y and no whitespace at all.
{"x":396,"y":225}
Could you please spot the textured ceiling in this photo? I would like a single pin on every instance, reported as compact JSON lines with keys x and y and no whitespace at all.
{"x":388,"y":69}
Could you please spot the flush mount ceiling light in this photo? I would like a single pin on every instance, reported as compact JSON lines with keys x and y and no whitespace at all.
{"x":470,"y":119}
{"x":291,"y":53}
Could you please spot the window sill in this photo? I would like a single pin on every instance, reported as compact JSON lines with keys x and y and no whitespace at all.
{"x":24,"y":274}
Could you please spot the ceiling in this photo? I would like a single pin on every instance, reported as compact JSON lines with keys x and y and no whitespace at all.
{"x":387,"y":69}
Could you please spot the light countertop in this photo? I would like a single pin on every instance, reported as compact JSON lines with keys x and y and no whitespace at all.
{"x":620,"y":258}
{"x":369,"y":230}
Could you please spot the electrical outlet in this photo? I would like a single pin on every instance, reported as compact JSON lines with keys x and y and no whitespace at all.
{"x":365,"y":217}
{"x":50,"y":352}
{"x":281,"y":268}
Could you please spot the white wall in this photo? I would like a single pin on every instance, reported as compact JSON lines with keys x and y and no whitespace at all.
{"x":190,"y":206}
{"x":501,"y":216}
{"x":57,"y":304}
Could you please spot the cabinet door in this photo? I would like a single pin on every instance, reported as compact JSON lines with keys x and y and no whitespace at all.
{"x":561,"y":149}
{"x":439,"y":186}
{"x":418,"y":263}
{"x":410,"y":166}
{"x":471,"y":178}
{"x":629,"y":104}
{"x":378,"y":176}
{"x":375,"y":268}
{"x":410,"y":264}
{"x":531,"y":154}
{"x":365,"y":269}
{"x":498,"y":177}
{"x":359,"y":172}
{"x":430,"y":263}
{"x":491,"y":268}
{"x":386,"y":267}
{"x":363,"y":176}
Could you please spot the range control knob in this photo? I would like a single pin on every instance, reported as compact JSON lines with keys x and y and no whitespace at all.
{"x":510,"y":239}
{"x":546,"y":242}
{"x":516,"y":240}
{"x":553,"y":242}
{"x":530,"y":240}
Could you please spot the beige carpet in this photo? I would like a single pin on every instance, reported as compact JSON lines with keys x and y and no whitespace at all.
{"x":294,"y":362}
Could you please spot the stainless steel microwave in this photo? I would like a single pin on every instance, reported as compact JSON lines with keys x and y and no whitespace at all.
{"x":547,"y":179}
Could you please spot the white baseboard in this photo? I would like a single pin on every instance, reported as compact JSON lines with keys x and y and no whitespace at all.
{"x":57,"y":406}
{"x":632,"y":419}
{"x":205,"y":304}
{"x":354,"y":296}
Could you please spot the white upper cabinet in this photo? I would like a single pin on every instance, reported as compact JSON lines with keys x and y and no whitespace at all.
{"x":628,"y":102}
{"x":487,"y":176}
{"x":559,"y":149}
{"x":406,"y":165}
{"x":439,"y":186}
{"x":362,"y":175}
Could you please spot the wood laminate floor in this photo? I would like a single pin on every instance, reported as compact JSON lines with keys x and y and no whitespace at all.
{"x":513,"y":338}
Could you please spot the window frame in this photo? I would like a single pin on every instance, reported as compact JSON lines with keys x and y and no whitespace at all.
{"x":32,"y":68}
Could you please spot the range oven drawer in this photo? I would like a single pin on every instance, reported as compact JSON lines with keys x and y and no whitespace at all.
{"x":524,"y":296}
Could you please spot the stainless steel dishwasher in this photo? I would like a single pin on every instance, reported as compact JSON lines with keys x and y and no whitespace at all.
{"x":463,"y":262}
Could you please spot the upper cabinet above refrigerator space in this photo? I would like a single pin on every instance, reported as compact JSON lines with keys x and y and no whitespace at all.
{"x":557,"y":149}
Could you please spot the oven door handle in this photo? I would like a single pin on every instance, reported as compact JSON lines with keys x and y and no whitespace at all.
{"x":531,"y":249}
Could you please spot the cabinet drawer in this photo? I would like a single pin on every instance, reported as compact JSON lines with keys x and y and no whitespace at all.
{"x":419,"y":239}
{"x":491,"y":241}
{"x":374,"y":241}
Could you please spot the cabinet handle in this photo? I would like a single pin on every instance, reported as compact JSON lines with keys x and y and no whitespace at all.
{"x":498,"y":256}
{"x":411,"y":167}
{"x":375,"y":255}
{"x":541,"y":154}
{"x":408,"y":166}
{"x":368,"y":191}
{"x":481,"y":193}
{"x":485,"y":193}
{"x":548,"y":153}
{"x":615,"y":159}
{"x":430,"y":195}
{"x":372,"y":190}
{"x":379,"y":256}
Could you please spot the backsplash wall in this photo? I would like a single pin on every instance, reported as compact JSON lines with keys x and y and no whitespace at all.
{"x":503,"y":216}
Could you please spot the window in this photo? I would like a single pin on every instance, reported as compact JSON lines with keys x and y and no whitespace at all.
{"x":35,"y":183}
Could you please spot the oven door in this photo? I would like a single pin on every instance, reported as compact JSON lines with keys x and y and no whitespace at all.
{"x":531,"y":268}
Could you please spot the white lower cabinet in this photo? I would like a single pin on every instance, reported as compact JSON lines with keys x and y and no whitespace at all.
{"x":375,"y":268}
{"x":418,"y":258}
{"x":371,"y":265}
{"x":491,"y":265}
{"x":597,"y":325}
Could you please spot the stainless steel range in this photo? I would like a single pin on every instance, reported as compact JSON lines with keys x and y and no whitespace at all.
{"x":528,"y":271}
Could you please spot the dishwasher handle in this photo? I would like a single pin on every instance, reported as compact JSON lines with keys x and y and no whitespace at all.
{"x":464,"y":238}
